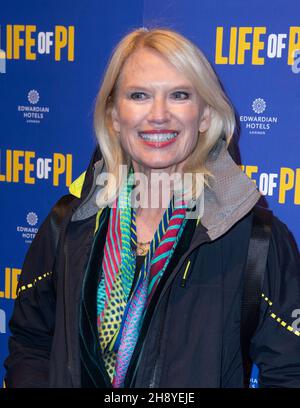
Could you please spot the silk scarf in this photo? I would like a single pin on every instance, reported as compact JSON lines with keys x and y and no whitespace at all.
{"x":120,"y":315}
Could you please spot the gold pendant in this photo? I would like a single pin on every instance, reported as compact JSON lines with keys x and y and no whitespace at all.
{"x":142,"y":249}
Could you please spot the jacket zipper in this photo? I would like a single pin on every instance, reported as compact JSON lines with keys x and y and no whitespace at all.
{"x":184,"y":278}
{"x":152,"y":383}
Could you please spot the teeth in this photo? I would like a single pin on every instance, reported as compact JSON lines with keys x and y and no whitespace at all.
{"x":158,"y":137}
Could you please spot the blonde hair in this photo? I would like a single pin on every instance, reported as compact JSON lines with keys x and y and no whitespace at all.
{"x":189,"y":60}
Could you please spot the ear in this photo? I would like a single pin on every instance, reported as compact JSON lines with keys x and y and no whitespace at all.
{"x":115,"y":119}
{"x":205,"y":120}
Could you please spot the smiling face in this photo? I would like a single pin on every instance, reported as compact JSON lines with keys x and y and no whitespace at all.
{"x":158,"y":113}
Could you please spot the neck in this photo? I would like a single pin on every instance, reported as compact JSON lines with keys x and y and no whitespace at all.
{"x":155,"y":189}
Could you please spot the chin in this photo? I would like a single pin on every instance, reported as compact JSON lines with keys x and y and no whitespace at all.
{"x":158,"y":162}
{"x":160,"y":165}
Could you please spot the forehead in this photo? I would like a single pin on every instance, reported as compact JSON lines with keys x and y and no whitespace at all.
{"x":146,"y":66}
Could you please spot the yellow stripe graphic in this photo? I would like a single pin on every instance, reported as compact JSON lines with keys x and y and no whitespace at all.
{"x":279,"y":320}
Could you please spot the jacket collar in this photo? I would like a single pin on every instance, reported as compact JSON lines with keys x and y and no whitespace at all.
{"x":230,"y":196}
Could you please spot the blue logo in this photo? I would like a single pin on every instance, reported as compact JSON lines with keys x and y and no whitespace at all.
{"x":254,"y":377}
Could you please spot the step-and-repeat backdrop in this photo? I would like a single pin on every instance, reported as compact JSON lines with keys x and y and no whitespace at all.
{"x":52,"y":56}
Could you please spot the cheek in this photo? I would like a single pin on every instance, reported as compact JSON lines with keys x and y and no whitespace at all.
{"x":191,"y":121}
{"x":130,"y":116}
{"x":129,"y":121}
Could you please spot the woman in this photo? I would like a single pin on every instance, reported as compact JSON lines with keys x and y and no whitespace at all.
{"x":123,"y":295}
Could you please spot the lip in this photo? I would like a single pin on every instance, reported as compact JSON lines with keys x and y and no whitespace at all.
{"x":158,"y":145}
{"x":160,"y":131}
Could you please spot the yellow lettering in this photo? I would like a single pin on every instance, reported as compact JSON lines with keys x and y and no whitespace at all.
{"x":243,"y":44}
{"x":8,"y":165}
{"x":258,"y":45}
{"x":18,"y":41}
{"x":7,"y":283}
{"x":30,"y":42}
{"x":249,"y":170}
{"x":59,"y":166}
{"x":69,"y":170}
{"x":71,"y":42}
{"x":9,"y":42}
{"x":2,"y":176}
{"x":286,"y":182}
{"x":29,"y":167}
{"x":7,"y":175}
{"x":294,"y":43}
{"x":297,"y":189}
{"x":219,"y":59}
{"x":14,"y":282}
{"x":60,"y":41}
{"x":233,"y":39}
{"x":17,"y":165}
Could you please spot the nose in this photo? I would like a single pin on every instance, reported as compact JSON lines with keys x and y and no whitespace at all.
{"x":159,"y":112}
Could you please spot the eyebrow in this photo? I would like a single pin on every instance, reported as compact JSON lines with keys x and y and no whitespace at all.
{"x":177,"y":87}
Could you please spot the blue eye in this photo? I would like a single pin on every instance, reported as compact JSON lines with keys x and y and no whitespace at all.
{"x":180,"y":95}
{"x":138,"y":96}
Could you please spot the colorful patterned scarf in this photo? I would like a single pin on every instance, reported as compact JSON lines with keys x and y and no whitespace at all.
{"x":120,"y":316}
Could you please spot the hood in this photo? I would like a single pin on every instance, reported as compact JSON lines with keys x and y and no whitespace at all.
{"x":230,"y":196}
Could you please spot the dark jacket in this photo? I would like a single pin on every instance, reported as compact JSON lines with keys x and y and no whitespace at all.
{"x":190,"y":336}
